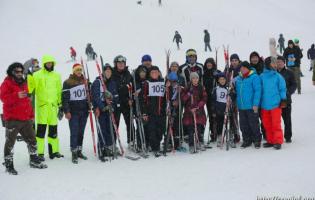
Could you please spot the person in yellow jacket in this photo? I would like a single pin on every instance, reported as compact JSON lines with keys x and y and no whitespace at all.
{"x":48,"y":90}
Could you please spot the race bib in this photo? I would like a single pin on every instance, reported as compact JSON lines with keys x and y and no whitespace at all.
{"x":78,"y":93}
{"x":221,"y":95}
{"x":156,"y":89}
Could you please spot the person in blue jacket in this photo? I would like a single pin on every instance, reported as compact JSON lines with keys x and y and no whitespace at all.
{"x":75,"y":106}
{"x":103,"y":110}
{"x":273,"y":99}
{"x":248,"y":93}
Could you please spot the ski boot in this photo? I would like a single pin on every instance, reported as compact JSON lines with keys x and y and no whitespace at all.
{"x":232,"y":144}
{"x":257,"y":145}
{"x":41,"y":157}
{"x":245,"y":145}
{"x":267,"y":145}
{"x":8,"y":163}
{"x":35,"y":162}
{"x":157,"y":154}
{"x":192,"y":150}
{"x":80,"y":155}
{"x":201,"y":147}
{"x":277,"y":146}
{"x":74,"y":157}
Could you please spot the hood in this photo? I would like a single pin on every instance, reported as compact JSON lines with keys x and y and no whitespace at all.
{"x":281,"y":35}
{"x":291,"y":42}
{"x":48,"y":58}
{"x":312,"y":46}
{"x":211,"y":60}
{"x":205,"y":31}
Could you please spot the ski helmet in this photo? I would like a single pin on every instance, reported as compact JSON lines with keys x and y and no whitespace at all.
{"x":119,"y":58}
{"x":191,"y":52}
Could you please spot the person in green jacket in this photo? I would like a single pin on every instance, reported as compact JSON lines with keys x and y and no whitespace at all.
{"x":48,"y":90}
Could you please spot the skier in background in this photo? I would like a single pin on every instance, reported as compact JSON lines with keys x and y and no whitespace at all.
{"x":272,"y":47}
{"x":281,"y":41}
{"x":296,"y":43}
{"x":207,"y":40}
{"x":89,"y":52}
{"x":178,"y":39}
{"x":311,"y":56}
{"x":73,"y":53}
{"x":160,"y":2}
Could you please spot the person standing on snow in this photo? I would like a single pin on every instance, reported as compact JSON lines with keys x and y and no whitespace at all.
{"x":281,"y":41}
{"x":207,"y":40}
{"x":104,"y":110}
{"x":218,"y":106}
{"x":178,"y":39}
{"x":292,"y":55}
{"x":160,"y":2}
{"x":195,"y":97}
{"x":75,"y":106}
{"x":273,"y":100}
{"x":311,"y":56}
{"x":248,"y":95}
{"x":291,"y":85}
{"x":122,"y":78}
{"x":47,"y":85}
{"x":89,"y":52}
{"x":296,"y":43}
{"x":210,"y":77}
{"x":18,"y":116}
{"x":73,"y":53}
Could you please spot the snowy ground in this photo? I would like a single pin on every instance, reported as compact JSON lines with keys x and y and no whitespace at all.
{"x":34,"y":28}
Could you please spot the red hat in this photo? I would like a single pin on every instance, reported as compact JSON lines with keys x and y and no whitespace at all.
{"x":76,"y":66}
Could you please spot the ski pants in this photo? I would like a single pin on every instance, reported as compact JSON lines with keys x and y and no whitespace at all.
{"x":262,"y":128}
{"x":125,"y":111}
{"x":105,"y":130}
{"x":207,"y":44}
{"x":220,"y":121}
{"x":286,"y":116}
{"x":192,"y":134}
{"x":156,"y":128}
{"x":272,"y":123}
{"x":77,"y":125}
{"x":281,"y":48}
{"x":297,"y":76}
{"x":12,"y":128}
{"x":249,"y":124}
{"x":177,"y":45}
{"x":90,"y":56}
{"x":211,"y":121}
{"x":46,"y":116}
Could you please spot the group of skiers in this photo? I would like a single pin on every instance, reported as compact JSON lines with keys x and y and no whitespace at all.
{"x":172,"y":108}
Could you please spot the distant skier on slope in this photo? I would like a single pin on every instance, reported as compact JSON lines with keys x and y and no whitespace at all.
{"x":178,"y":39}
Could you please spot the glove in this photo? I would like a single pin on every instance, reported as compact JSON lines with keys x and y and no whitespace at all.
{"x":108,"y":108}
{"x":60,"y":113}
{"x":283,"y":103}
{"x":108,"y":95}
{"x":191,"y":92}
{"x":194,"y":106}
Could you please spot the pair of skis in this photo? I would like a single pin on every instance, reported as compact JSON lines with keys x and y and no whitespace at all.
{"x":169,"y":129}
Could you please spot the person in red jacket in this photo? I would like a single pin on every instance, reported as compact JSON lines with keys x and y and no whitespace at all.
{"x":73,"y":53}
{"x":18,"y":117}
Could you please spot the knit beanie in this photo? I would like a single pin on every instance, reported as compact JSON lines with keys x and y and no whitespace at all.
{"x":245,"y":64}
{"x":76,"y":66}
{"x":222,"y":74}
{"x":146,"y":58}
{"x":193,"y":75}
{"x":173,"y":76}
{"x":234,"y":56}
{"x":281,"y":58}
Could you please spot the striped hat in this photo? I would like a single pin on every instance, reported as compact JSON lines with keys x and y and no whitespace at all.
{"x":76,"y":66}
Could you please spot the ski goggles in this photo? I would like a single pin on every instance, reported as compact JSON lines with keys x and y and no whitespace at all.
{"x":191,"y":53}
{"x":121,"y":59}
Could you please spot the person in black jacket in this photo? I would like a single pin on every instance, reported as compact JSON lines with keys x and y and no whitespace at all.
{"x":75,"y":106}
{"x":153,"y":107}
{"x":207,"y":40}
{"x":191,"y":65}
{"x":281,"y":42}
{"x":311,"y":56}
{"x":294,"y":51}
{"x":178,"y":39}
{"x":291,"y":84}
{"x":256,"y":62}
{"x":123,"y":79}
{"x":210,"y":82}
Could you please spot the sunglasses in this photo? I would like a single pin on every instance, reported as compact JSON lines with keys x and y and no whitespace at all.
{"x":18,"y":72}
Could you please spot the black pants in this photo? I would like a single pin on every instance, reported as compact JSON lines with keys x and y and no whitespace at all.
{"x":219,"y":121}
{"x":262,"y":128}
{"x":156,"y":128}
{"x":125,"y":111}
{"x":211,"y":121}
{"x":286,"y":116}
{"x":249,"y":124}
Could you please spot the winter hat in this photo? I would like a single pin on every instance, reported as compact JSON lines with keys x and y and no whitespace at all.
{"x":143,"y":69}
{"x":176,"y":31}
{"x":281,"y":35}
{"x":281,"y":58}
{"x":106,"y":67}
{"x":174,"y":63}
{"x":273,"y":60}
{"x":173,"y":76}
{"x":193,"y":75}
{"x":245,"y":64}
{"x":222,"y":74}
{"x":290,"y":42}
{"x":234,"y":56}
{"x":296,"y":40}
{"x":146,"y":58}
{"x":76,"y":66}
{"x":254,"y":53}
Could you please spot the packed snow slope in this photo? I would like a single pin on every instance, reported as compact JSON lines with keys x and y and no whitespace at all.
{"x":33,"y":28}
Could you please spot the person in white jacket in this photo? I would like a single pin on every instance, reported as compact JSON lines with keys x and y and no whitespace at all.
{"x":272,"y":47}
